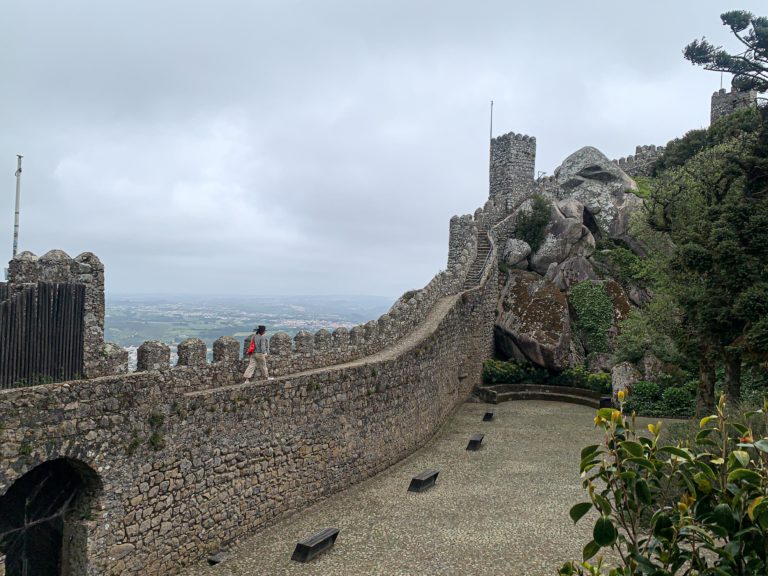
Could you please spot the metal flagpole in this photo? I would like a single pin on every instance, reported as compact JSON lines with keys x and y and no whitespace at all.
{"x":491,"y":120}
{"x":18,"y":197}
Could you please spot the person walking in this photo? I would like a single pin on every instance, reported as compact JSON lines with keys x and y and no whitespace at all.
{"x":258,"y":350}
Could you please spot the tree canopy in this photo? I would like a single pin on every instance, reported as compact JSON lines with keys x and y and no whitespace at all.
{"x":710,"y":202}
{"x":750,"y":67}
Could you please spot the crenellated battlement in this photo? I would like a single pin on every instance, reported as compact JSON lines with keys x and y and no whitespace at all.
{"x":308,"y":351}
{"x":724,"y":102}
{"x":642,"y":162}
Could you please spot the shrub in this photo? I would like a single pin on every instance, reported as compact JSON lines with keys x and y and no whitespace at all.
{"x":600,"y":382}
{"x":652,"y":329}
{"x":677,"y":403}
{"x":580,"y":377}
{"x":644,"y":398}
{"x":530,"y":226}
{"x":594,"y":312}
{"x":499,"y":372}
{"x":707,"y":503}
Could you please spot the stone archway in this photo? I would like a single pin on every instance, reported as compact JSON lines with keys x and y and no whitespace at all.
{"x":42,"y":519}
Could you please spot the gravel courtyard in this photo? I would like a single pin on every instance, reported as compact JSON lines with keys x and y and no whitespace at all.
{"x":501,"y":510}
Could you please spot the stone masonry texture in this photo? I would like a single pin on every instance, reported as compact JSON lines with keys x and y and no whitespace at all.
{"x":188,"y":460}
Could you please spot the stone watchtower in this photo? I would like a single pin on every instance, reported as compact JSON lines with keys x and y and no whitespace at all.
{"x":723,"y":103}
{"x":513,"y":159}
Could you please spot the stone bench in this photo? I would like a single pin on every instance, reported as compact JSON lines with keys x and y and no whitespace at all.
{"x":316,"y":544}
{"x":423,"y":481}
{"x":475,"y":441}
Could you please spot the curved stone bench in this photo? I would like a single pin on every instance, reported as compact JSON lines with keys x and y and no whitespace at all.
{"x":496,"y":393}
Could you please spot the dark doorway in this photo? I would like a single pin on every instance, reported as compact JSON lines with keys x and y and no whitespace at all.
{"x":41,"y":519}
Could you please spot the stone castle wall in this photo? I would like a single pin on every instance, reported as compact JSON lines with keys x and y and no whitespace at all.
{"x":643,"y":161}
{"x":724,"y":102}
{"x":189,"y":460}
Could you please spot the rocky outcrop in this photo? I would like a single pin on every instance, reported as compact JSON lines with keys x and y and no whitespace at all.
{"x":619,"y":300}
{"x":590,"y":178}
{"x":571,"y":272}
{"x":515,"y":254}
{"x":532,"y":321}
{"x":592,"y":198}
{"x":565,"y":238}
{"x":623,"y":377}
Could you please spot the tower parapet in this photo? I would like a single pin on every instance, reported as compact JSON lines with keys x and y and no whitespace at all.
{"x":724,"y":103}
{"x":513,"y":161}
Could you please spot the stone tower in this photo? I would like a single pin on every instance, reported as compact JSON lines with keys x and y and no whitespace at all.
{"x":723,"y":103}
{"x":513,"y":159}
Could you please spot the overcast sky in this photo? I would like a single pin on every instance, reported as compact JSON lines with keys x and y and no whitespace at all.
{"x":313,"y":147}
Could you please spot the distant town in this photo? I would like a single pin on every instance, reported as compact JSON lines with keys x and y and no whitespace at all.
{"x":134,"y":319}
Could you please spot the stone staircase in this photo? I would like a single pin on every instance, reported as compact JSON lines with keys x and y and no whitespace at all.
{"x":506,"y":392}
{"x":475,"y":274}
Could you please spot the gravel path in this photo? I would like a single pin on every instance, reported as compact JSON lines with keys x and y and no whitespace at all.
{"x":501,"y":510}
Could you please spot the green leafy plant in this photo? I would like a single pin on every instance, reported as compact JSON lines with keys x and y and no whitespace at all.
{"x":678,"y":402}
{"x":500,"y":372}
{"x":580,"y":377}
{"x":133,"y":445}
{"x":530,"y":225}
{"x":156,"y":420}
{"x":156,"y":440}
{"x":312,"y":386}
{"x":594,"y":312}
{"x":706,"y":503}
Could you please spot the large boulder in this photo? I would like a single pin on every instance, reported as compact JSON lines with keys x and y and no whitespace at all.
{"x":565,"y":238}
{"x":623,"y":377}
{"x":572,"y":271}
{"x":532,"y":321}
{"x":619,"y":300}
{"x":590,"y":178}
{"x":515,"y":254}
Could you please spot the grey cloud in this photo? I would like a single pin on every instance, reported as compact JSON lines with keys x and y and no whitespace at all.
{"x":313,"y":147}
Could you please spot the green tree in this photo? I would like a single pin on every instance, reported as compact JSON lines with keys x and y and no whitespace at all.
{"x":717,"y":220}
{"x":750,"y":67}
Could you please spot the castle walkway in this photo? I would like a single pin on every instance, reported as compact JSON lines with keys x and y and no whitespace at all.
{"x":413,"y":338}
{"x":500,"y":511}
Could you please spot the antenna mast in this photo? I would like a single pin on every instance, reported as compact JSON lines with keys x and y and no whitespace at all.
{"x":18,"y":197}
{"x":491,"y":133}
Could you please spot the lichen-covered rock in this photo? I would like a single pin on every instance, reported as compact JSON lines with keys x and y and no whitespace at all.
{"x":639,"y":296}
{"x":652,"y":367}
{"x":590,"y":178}
{"x":619,"y":300}
{"x":565,"y":238}
{"x":600,"y":362}
{"x":623,"y":377}
{"x":532,"y":321}
{"x":571,"y":208}
{"x":572,"y":271}
{"x":515,"y":253}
